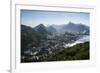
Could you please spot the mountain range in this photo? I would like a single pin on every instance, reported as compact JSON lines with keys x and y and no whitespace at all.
{"x":43,"y":40}
{"x":72,"y":28}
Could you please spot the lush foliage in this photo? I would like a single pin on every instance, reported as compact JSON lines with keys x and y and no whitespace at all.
{"x":77,"y":52}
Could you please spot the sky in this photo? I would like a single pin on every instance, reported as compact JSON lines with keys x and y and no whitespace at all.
{"x":35,"y":17}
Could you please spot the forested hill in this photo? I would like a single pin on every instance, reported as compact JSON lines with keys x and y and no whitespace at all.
{"x":77,"y":52}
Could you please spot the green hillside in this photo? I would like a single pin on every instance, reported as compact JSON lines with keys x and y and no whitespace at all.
{"x":77,"y":52}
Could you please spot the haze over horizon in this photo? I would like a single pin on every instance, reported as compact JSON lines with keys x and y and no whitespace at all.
{"x":35,"y":17}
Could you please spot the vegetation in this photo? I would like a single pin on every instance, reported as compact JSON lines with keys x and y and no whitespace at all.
{"x":77,"y":52}
{"x":29,"y":38}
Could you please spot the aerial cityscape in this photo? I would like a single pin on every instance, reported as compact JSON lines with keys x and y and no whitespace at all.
{"x":54,"y":36}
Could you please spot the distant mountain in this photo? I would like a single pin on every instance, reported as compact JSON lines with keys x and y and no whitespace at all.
{"x":41,"y":29}
{"x":71,"y":28}
{"x":57,"y":27}
{"x":76,"y":28}
{"x":51,"y":29}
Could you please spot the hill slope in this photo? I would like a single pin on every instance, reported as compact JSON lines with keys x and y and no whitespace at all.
{"x":77,"y":52}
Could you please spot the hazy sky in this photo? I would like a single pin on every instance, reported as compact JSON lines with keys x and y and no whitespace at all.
{"x":34,"y":17}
